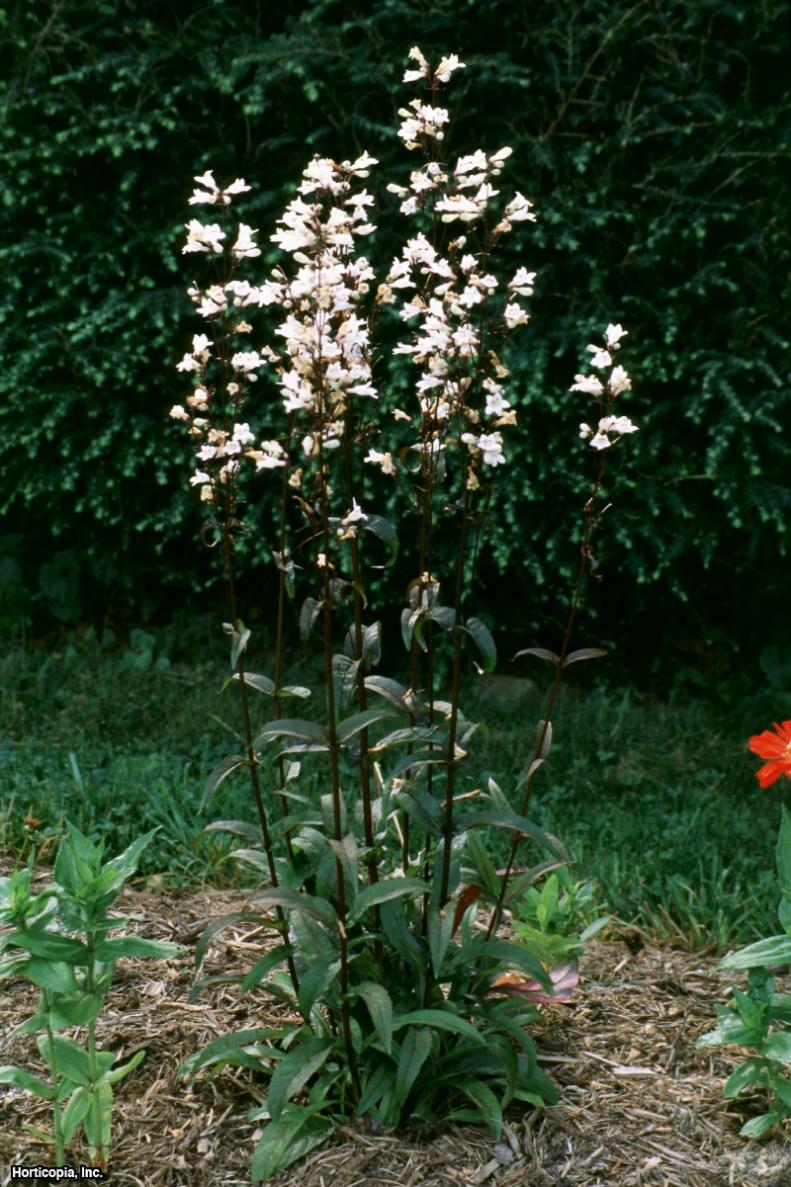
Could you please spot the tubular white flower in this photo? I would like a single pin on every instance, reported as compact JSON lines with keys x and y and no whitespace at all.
{"x":619,"y":382}
{"x":245,"y":246}
{"x":203,"y":238}
{"x":590,"y":384}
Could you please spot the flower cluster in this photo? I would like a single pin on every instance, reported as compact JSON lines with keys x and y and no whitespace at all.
{"x":610,"y":427}
{"x":325,"y":361}
{"x":212,"y":409}
{"x":452,"y":296}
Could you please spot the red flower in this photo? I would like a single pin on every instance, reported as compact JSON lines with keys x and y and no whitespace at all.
{"x":777,"y":749}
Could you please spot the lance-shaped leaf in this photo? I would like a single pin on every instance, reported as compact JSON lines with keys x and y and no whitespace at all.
{"x":415,"y":1050}
{"x":382,"y":892}
{"x":315,"y":982}
{"x":384,"y":531}
{"x":542,"y":744}
{"x":260,"y":683}
{"x":423,"y":809}
{"x":218,"y":925}
{"x":440,"y":1020}
{"x":240,"y":828}
{"x":233,"y":1049}
{"x":518,"y":824}
{"x":263,"y":967}
{"x":24,"y":1080}
{"x":409,"y":620}
{"x":297,"y":1131}
{"x":360,"y":721}
{"x":391,"y":690}
{"x":484,"y":641}
{"x":574,"y":657}
{"x":52,"y":946}
{"x":294,"y":900}
{"x":293,"y":1072}
{"x":292,"y":727}
{"x":239,"y":641}
{"x":311,"y":609}
{"x":380,"y":1007}
{"x":224,"y":768}
{"x":75,"y":1111}
{"x":775,"y":950}
{"x":539,"y":653}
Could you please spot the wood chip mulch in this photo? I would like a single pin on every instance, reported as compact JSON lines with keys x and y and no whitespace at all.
{"x":640,"y":1106}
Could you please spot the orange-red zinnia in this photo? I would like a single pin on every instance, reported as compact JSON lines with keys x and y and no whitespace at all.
{"x":777,"y":749}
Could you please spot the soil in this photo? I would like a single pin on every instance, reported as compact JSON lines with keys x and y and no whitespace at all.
{"x":639,"y":1107}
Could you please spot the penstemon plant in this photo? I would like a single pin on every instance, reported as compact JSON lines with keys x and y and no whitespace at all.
{"x":758,"y":1017}
{"x":399,"y":1011}
{"x":60,"y":943}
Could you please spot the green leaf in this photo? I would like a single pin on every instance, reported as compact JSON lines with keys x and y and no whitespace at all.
{"x":239,"y":641}
{"x":415,"y":1050}
{"x":518,"y":824}
{"x":239,"y":828}
{"x":76,"y":1010}
{"x":484,"y":641}
{"x":783,"y":850}
{"x":360,"y":721}
{"x":224,"y":768}
{"x":260,"y":683}
{"x":391,"y":690}
{"x":232,"y":1049}
{"x":483,"y":864}
{"x":440,"y":931}
{"x":379,"y":1082}
{"x":440,"y":1020}
{"x":397,"y":932}
{"x":380,"y":1007}
{"x":262,"y":968}
{"x":70,"y":1058}
{"x":23,"y":1080}
{"x":295,"y":690}
{"x":384,"y":531}
{"x":123,"y":1070}
{"x":98,"y":1120}
{"x":756,"y":1127}
{"x":775,"y":950}
{"x":110,"y":950}
{"x":315,"y":981}
{"x":51,"y":974}
{"x":296,"y":1132}
{"x":218,"y":925}
{"x":308,"y":615}
{"x":489,"y":1106}
{"x":382,"y":892}
{"x":574,"y":657}
{"x":294,"y":1071}
{"x":53,"y":946}
{"x":75,"y":1111}
{"x":294,"y":900}
{"x":539,"y":653}
{"x":306,"y":731}
{"x":778,"y":1046}
{"x":752,"y":1071}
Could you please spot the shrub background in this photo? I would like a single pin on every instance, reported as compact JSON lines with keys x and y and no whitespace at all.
{"x":653,"y":138}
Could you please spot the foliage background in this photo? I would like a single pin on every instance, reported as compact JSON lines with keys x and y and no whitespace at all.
{"x":653,"y":138}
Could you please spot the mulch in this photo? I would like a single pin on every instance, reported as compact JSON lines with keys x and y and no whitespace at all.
{"x":639,"y":1107}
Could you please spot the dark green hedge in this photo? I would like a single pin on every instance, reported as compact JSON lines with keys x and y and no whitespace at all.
{"x":653,"y":138}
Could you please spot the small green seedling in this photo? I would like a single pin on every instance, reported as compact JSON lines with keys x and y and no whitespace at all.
{"x":60,"y":943}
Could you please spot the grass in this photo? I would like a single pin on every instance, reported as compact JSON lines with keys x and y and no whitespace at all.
{"x":657,"y":802}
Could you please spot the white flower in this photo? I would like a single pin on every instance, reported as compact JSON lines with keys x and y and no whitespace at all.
{"x":518,"y":209}
{"x":239,"y":186}
{"x":384,"y":460}
{"x":416,"y":55}
{"x":601,"y":358}
{"x":522,"y":283}
{"x":590,"y":384}
{"x":619,"y":382}
{"x":199,"y":478}
{"x":495,"y":404}
{"x":609,"y":427}
{"x":242,"y":434}
{"x":245,"y":247}
{"x":514,"y":316}
{"x":203,"y":238}
{"x":188,"y":363}
{"x":210,"y":194}
{"x":356,"y":515}
{"x":446,"y":68}
{"x":491,"y":444}
{"x":614,"y":335}
{"x":179,"y":413}
{"x":247,"y":361}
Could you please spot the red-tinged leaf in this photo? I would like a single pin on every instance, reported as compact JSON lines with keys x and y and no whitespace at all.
{"x":539,"y":653}
{"x":565,"y":979}
{"x":574,"y":657}
{"x":465,"y":900}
